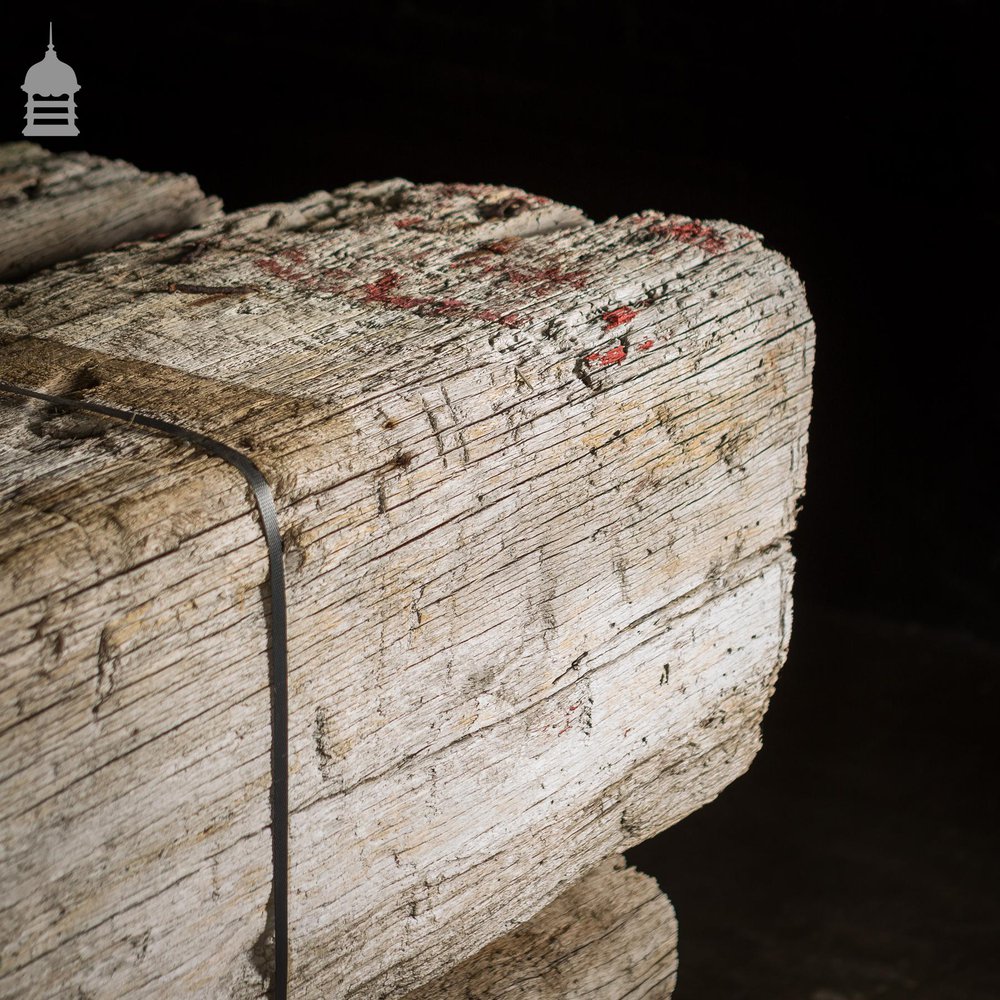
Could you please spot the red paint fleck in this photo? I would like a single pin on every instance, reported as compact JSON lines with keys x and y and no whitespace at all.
{"x":442,"y":306}
{"x":694,"y":233}
{"x":611,"y":356}
{"x":487,"y":250}
{"x":535,"y":280}
{"x":328,"y":279}
{"x":280,"y":270}
{"x":291,"y":265}
{"x":541,"y":280}
{"x":385,"y":291}
{"x":502,"y":246}
{"x":504,"y":319}
{"x":619,"y":317}
{"x":409,"y":223}
{"x":644,"y":346}
{"x":745,"y":234}
{"x":382,"y":291}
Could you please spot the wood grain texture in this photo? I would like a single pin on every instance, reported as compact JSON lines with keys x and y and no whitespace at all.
{"x":535,"y":477}
{"x":611,"y":936}
{"x":58,"y":207}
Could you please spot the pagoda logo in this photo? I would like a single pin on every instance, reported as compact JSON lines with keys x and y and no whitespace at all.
{"x":51,"y":88}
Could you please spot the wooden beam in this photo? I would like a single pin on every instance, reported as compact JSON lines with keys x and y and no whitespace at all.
{"x":536,"y":478}
{"x":611,"y":936}
{"x":57,"y":207}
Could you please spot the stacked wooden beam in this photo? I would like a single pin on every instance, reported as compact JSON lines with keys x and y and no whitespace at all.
{"x":61,"y":207}
{"x":535,"y":478}
{"x":610,"y":936}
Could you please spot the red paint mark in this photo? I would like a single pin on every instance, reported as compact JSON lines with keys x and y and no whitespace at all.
{"x":382,"y":291}
{"x":385,"y":291}
{"x":694,"y":233}
{"x":644,"y":346}
{"x":502,"y":246}
{"x":487,"y":250}
{"x":542,"y":280}
{"x":536,"y":280}
{"x":567,"y":722}
{"x":409,"y":223}
{"x":504,"y":319}
{"x":329,"y":279}
{"x":444,"y":306}
{"x":745,"y":234}
{"x":611,"y":356}
{"x":281,"y":270}
{"x":291,"y":265}
{"x":619,"y":317}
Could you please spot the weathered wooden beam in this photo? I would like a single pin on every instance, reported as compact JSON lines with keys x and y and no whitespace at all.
{"x":611,"y":936}
{"x":535,"y":478}
{"x":59,"y":207}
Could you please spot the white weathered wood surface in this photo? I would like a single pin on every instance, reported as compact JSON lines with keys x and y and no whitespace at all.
{"x":612,"y":936}
{"x":536,"y":478}
{"x":58,"y":207}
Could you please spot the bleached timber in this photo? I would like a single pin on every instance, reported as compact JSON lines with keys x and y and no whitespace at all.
{"x":535,"y":477}
{"x":612,"y":936}
{"x":58,"y":207}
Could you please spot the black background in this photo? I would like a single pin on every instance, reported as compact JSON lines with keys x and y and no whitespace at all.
{"x":855,"y":137}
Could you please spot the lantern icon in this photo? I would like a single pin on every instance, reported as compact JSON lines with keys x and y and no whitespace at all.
{"x":51,"y":86}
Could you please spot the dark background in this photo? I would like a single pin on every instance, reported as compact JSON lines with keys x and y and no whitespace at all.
{"x":856,"y":859}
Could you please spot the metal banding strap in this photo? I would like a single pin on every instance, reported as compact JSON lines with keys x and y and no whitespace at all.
{"x":278,"y":648}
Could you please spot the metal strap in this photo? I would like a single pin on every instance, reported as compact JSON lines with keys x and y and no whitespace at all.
{"x":277,"y":651}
